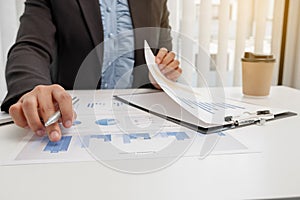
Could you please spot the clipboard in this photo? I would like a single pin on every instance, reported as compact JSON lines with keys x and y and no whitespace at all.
{"x":5,"y":119}
{"x":161,"y":105}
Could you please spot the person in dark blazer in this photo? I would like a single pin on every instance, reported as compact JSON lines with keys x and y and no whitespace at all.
{"x":53,"y":40}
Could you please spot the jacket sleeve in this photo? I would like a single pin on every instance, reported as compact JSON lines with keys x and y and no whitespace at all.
{"x":30,"y":57}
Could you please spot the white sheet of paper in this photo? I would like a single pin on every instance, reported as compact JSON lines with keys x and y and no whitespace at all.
{"x":100,"y":125}
{"x":36,"y":150}
{"x":207,"y":107}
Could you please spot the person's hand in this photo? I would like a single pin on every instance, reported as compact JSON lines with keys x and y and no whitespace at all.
{"x":168,"y":65}
{"x":38,"y":105}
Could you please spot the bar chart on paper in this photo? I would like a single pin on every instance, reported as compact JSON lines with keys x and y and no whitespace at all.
{"x":106,"y":122}
{"x":128,"y":137}
{"x":179,"y":136}
{"x":72,"y":148}
{"x":103,"y":128}
{"x":86,"y":139}
{"x":209,"y":107}
{"x":56,"y":147}
{"x":97,"y":105}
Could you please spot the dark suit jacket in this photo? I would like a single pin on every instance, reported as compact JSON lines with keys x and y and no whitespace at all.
{"x":62,"y":33}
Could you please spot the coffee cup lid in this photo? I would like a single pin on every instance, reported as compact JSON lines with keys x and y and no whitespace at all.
{"x":252,"y":57}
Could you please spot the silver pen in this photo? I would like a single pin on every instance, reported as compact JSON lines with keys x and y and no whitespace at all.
{"x":55,"y":117}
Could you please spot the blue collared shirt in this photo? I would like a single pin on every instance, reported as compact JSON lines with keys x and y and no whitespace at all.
{"x":118,"y":58}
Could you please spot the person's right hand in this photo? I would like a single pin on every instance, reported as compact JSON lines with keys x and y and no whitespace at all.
{"x":38,"y":105}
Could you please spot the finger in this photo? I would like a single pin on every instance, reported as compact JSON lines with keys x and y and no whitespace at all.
{"x":54,"y":132}
{"x":30,"y":110}
{"x":173,"y":66}
{"x":47,"y":108}
{"x":65,"y":106}
{"x":46,"y":104}
{"x":17,"y":115}
{"x":174,"y":75}
{"x":161,"y":55}
{"x":168,"y":59}
{"x":73,"y":119}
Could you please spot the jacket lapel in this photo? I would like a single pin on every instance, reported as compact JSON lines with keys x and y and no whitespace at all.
{"x":139,"y":10}
{"x":91,"y":12}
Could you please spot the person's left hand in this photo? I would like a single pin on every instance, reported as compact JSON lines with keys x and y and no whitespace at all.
{"x":168,"y":65}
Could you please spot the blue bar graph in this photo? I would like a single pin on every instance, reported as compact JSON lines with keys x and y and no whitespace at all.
{"x":128,"y":137}
{"x":103,"y":104}
{"x":106,"y":122}
{"x":56,"y":147}
{"x":86,"y":139}
{"x":76,"y":122}
{"x":94,"y":104}
{"x":209,"y":107}
{"x":177,"y":135}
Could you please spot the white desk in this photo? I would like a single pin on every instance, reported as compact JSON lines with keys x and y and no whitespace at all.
{"x":272,"y":173}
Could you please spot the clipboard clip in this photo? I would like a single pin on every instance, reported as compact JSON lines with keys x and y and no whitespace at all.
{"x":248,"y":118}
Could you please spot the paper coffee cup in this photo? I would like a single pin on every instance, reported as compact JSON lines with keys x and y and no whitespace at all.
{"x":257,"y":73}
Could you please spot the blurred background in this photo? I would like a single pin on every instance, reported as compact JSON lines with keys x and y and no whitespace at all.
{"x":224,"y":29}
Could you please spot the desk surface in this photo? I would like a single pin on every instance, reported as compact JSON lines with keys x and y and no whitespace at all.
{"x":272,"y":173}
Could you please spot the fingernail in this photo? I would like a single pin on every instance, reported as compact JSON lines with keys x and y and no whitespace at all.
{"x":40,"y":133}
{"x":54,"y":135}
{"x":68,"y":124}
